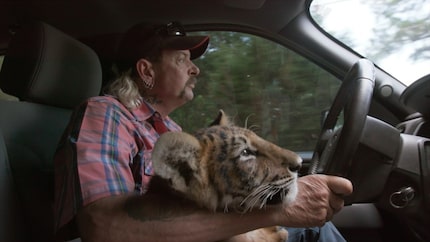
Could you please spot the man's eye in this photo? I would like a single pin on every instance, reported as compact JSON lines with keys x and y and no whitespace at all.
{"x":181,"y":58}
{"x":247,"y":152}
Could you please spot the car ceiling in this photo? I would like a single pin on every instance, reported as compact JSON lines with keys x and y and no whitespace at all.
{"x":83,"y":18}
{"x":87,"y":19}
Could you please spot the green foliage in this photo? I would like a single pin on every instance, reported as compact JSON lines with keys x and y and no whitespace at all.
{"x":401,"y":23}
{"x":263,"y":86}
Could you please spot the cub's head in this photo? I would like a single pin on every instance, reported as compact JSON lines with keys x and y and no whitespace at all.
{"x":227,"y":167}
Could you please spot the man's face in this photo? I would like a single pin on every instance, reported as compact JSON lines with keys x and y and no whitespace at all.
{"x":175,"y":77}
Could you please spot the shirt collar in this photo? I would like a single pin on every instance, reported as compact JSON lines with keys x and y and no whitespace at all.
{"x":143,"y":112}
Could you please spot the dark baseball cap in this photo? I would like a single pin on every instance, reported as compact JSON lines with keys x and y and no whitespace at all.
{"x":144,"y":39}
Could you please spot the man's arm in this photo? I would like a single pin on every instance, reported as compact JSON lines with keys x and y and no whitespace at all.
{"x":156,"y":217}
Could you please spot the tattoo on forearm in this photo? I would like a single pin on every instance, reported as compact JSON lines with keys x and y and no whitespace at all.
{"x":157,"y":209}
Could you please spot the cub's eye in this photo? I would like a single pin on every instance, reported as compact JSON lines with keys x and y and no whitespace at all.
{"x":247,"y":152}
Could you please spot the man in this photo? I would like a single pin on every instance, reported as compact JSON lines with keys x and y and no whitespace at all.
{"x":103,"y":164}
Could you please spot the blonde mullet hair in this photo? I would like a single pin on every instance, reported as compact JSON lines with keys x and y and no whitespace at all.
{"x":125,"y":89}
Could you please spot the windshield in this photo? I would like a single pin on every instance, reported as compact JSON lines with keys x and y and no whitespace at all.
{"x":394,"y":34}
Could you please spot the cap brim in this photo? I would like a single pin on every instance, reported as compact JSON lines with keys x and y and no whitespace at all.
{"x":196,"y":44}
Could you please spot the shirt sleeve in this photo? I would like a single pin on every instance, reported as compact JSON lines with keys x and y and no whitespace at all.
{"x":94,"y":157}
{"x":104,"y":149}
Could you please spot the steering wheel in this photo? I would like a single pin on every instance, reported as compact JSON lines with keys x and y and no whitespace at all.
{"x":337,"y":143}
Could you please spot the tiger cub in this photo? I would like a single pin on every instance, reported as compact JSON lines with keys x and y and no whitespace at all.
{"x":226,"y":167}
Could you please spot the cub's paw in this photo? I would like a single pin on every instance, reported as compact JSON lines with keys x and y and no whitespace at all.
{"x":269,"y":234}
{"x":274,"y":233}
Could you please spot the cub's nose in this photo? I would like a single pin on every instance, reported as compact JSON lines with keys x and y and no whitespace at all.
{"x":295,"y":168}
{"x":295,"y":164}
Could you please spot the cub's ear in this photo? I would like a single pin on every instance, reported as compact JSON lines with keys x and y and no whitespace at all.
{"x":221,"y":119}
{"x":175,"y":157}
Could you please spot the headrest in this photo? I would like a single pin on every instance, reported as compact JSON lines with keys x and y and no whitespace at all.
{"x":46,"y":66}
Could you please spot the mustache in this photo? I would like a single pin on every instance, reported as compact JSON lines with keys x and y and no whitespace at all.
{"x":192,"y":80}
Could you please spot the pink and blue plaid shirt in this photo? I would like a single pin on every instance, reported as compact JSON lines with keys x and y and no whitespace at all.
{"x":105,"y":151}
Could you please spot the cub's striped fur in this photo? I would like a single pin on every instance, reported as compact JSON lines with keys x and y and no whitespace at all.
{"x":226,"y":167}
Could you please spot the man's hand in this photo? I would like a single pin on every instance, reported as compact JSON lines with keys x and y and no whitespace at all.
{"x":318,"y":199}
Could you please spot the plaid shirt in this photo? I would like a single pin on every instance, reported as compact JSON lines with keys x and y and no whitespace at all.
{"x":105,"y":151}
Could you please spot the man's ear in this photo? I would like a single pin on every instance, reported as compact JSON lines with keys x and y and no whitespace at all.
{"x":144,"y":69}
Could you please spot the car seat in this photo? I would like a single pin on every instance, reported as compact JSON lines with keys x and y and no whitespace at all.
{"x":50,"y":73}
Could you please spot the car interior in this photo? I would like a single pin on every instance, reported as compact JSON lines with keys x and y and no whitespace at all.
{"x":49,"y":82}
{"x":58,"y":53}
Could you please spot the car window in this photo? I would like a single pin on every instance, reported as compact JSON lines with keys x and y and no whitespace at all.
{"x":393,"y":34}
{"x":264,"y":86}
